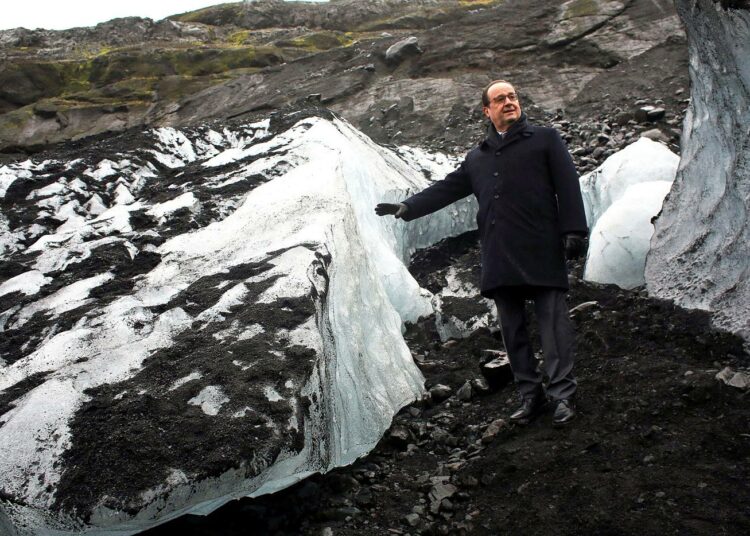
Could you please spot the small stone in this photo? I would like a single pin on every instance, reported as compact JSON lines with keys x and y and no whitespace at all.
{"x":655,"y":114}
{"x":450,"y":344}
{"x":585,"y":306}
{"x":412,"y":520}
{"x":739,"y":380}
{"x":438,"y":493}
{"x":655,"y":134}
{"x":641,"y":114}
{"x":480,"y":386}
{"x":492,"y":430}
{"x":464,"y":393}
{"x":399,"y":436}
{"x":498,"y":372}
{"x":649,"y":459}
{"x":440,"y":392}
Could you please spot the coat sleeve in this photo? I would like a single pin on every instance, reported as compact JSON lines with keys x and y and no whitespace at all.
{"x":456,"y":185}
{"x":571,"y":214}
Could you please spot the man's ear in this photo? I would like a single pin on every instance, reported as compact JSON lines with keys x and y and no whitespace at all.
{"x":486,"y":111}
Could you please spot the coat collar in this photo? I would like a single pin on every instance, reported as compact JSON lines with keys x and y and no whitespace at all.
{"x":519,"y":129}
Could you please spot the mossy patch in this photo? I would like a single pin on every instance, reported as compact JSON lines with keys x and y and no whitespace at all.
{"x":318,"y":41}
{"x":125,"y":73}
{"x":184,"y":62}
{"x":582,"y":8}
{"x":479,"y":3}
{"x":240,"y":38}
{"x":218,"y":15}
{"x":417,"y":20}
{"x":25,"y":82}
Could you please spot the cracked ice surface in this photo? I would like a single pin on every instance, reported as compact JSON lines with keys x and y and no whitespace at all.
{"x":620,"y":240}
{"x":620,"y":198}
{"x":306,"y":233}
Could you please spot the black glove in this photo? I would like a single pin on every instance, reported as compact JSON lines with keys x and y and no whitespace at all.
{"x":397,"y":210}
{"x":575,"y":246}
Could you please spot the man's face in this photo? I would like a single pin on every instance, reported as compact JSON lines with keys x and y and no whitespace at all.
{"x":504,"y":108}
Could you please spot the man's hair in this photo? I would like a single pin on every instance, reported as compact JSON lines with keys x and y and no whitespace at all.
{"x":485,"y":93}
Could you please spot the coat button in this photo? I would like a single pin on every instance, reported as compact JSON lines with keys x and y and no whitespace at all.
{"x":496,"y":173}
{"x":492,"y":222}
{"x":497,"y":196}
{"x":497,"y":153}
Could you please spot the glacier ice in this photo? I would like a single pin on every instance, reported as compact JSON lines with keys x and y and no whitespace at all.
{"x":620,"y":239}
{"x":699,"y":253}
{"x":296,"y":275}
{"x":620,"y":198}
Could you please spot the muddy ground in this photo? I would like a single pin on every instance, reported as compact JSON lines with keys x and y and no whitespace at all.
{"x":659,"y":445}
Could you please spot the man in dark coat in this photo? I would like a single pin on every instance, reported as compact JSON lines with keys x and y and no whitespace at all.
{"x":530,"y":218}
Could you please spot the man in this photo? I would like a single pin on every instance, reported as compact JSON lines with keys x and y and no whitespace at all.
{"x":530,"y":218}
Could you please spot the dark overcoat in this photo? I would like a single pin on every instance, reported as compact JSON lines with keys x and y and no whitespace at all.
{"x":529,"y":197}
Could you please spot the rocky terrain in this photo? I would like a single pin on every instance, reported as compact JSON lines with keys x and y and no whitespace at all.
{"x":660,"y":446}
{"x":593,"y":58}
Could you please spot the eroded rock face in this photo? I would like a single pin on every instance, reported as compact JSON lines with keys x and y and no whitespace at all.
{"x":194,"y":316}
{"x":232,"y":60}
{"x":699,"y":253}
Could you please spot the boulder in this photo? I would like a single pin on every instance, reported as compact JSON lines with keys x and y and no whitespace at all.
{"x":403,"y":49}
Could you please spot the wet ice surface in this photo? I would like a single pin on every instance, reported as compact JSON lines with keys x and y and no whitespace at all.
{"x":621,"y":197}
{"x":229,"y":298}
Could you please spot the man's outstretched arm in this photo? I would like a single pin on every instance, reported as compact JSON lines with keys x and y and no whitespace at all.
{"x":456,"y":185}
{"x":398,"y":209}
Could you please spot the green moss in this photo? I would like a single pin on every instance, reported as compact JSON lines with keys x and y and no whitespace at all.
{"x":185,"y":62}
{"x":13,"y":121}
{"x":124,"y":91}
{"x":418,"y":20}
{"x":318,"y":41}
{"x":25,"y":82}
{"x":243,"y":37}
{"x":582,"y":8}
{"x":218,"y":15}
{"x":479,"y":3}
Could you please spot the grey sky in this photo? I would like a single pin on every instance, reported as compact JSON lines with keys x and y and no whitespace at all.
{"x":61,"y":14}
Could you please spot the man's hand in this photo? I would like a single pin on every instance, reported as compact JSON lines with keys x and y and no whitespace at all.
{"x":575,"y":246}
{"x":398,"y":210}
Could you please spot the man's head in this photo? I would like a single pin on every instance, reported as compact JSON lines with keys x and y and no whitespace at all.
{"x":500,"y":104}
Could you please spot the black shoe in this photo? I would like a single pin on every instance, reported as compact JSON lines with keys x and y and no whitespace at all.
{"x":564,"y":412}
{"x":529,"y":409}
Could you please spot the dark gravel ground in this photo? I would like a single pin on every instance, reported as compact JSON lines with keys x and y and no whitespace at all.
{"x":659,"y":445}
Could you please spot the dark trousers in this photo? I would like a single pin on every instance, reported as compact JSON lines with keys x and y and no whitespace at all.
{"x":557,"y":336}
